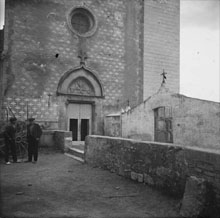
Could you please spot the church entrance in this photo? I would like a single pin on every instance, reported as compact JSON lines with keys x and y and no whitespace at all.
{"x":80,"y":103}
{"x":79,"y":120}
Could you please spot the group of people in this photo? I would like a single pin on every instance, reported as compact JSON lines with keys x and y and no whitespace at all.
{"x":34,"y":133}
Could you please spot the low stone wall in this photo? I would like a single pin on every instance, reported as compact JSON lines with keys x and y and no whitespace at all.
{"x":57,"y":139}
{"x":60,"y":139}
{"x":162,"y":165}
{"x":46,"y":139}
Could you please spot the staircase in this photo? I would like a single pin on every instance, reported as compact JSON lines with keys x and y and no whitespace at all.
{"x":75,"y":150}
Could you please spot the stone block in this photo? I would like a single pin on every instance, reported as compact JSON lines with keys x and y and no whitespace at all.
{"x":134,"y":176}
{"x":148,"y":179}
{"x":194,"y":198}
{"x":67,"y":143}
{"x":163,"y":172}
{"x":46,"y":139}
{"x":121,"y":171}
{"x":140,"y":177}
{"x":60,"y":139}
{"x":127,"y":173}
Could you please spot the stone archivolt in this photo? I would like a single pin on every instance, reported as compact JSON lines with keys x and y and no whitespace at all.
{"x":80,"y":81}
{"x":81,"y":86}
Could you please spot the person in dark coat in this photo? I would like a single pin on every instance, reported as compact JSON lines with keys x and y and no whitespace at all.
{"x":9,"y":136}
{"x":34,"y":133}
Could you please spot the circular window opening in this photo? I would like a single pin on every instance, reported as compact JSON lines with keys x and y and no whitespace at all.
{"x":81,"y":21}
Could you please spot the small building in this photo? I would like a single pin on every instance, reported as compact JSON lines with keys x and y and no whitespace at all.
{"x":174,"y":118}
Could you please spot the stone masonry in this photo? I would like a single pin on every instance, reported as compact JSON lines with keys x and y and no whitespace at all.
{"x":40,"y":49}
{"x":161,"y":44}
{"x":195,"y":122}
{"x":36,"y":31}
{"x":161,"y":165}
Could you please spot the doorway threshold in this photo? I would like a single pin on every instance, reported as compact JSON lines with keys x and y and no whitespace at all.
{"x":78,"y":145}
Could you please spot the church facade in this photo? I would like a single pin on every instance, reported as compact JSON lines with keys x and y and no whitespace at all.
{"x":70,"y":63}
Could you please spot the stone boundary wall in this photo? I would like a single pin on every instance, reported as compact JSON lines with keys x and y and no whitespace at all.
{"x":161,"y":165}
{"x":60,"y":139}
{"x":56,"y":139}
{"x":47,"y":138}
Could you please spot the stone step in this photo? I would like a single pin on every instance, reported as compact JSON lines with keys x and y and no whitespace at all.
{"x":75,"y":157}
{"x":75,"y":151}
{"x":79,"y":147}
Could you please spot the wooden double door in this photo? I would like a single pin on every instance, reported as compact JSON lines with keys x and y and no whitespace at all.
{"x":79,"y":120}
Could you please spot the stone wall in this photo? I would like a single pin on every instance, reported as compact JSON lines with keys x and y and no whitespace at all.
{"x":112,"y":125}
{"x":36,"y":32}
{"x":60,"y":139}
{"x":55,"y":139}
{"x":1,"y":71}
{"x":161,"y":165}
{"x":39,"y":49}
{"x":47,"y":139}
{"x":195,"y":122}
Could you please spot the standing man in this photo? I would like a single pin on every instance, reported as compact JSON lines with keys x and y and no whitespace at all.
{"x":9,"y":136}
{"x":34,"y":133}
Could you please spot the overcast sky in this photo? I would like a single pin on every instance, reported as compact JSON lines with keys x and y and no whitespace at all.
{"x":199,"y":48}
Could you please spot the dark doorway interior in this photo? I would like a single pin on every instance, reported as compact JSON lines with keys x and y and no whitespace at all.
{"x":74,"y":128}
{"x":84,"y":128}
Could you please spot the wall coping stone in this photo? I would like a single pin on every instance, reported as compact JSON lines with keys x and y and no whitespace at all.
{"x":61,"y":131}
{"x":206,"y":150}
{"x":48,"y":132}
{"x":114,"y":115}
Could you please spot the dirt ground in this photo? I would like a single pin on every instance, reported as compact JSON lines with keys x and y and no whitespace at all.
{"x":59,"y":186}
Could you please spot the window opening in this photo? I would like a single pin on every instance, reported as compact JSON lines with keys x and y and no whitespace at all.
{"x":80,"y":23}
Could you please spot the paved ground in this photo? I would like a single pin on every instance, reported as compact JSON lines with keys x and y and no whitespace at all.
{"x":58,"y":186}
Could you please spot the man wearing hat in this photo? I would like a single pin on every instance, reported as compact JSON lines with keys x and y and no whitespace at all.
{"x":34,"y":133}
{"x":9,"y":136}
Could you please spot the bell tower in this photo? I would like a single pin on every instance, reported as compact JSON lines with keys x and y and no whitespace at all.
{"x":161,"y":45}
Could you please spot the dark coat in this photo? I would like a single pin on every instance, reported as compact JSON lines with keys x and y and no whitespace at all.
{"x":9,"y":134}
{"x":34,"y":131}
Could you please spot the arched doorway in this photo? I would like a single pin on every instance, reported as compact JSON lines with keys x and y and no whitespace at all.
{"x":81,"y":95}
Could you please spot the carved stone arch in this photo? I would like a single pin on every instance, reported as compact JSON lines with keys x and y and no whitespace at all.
{"x":81,"y":86}
{"x":80,"y":81}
